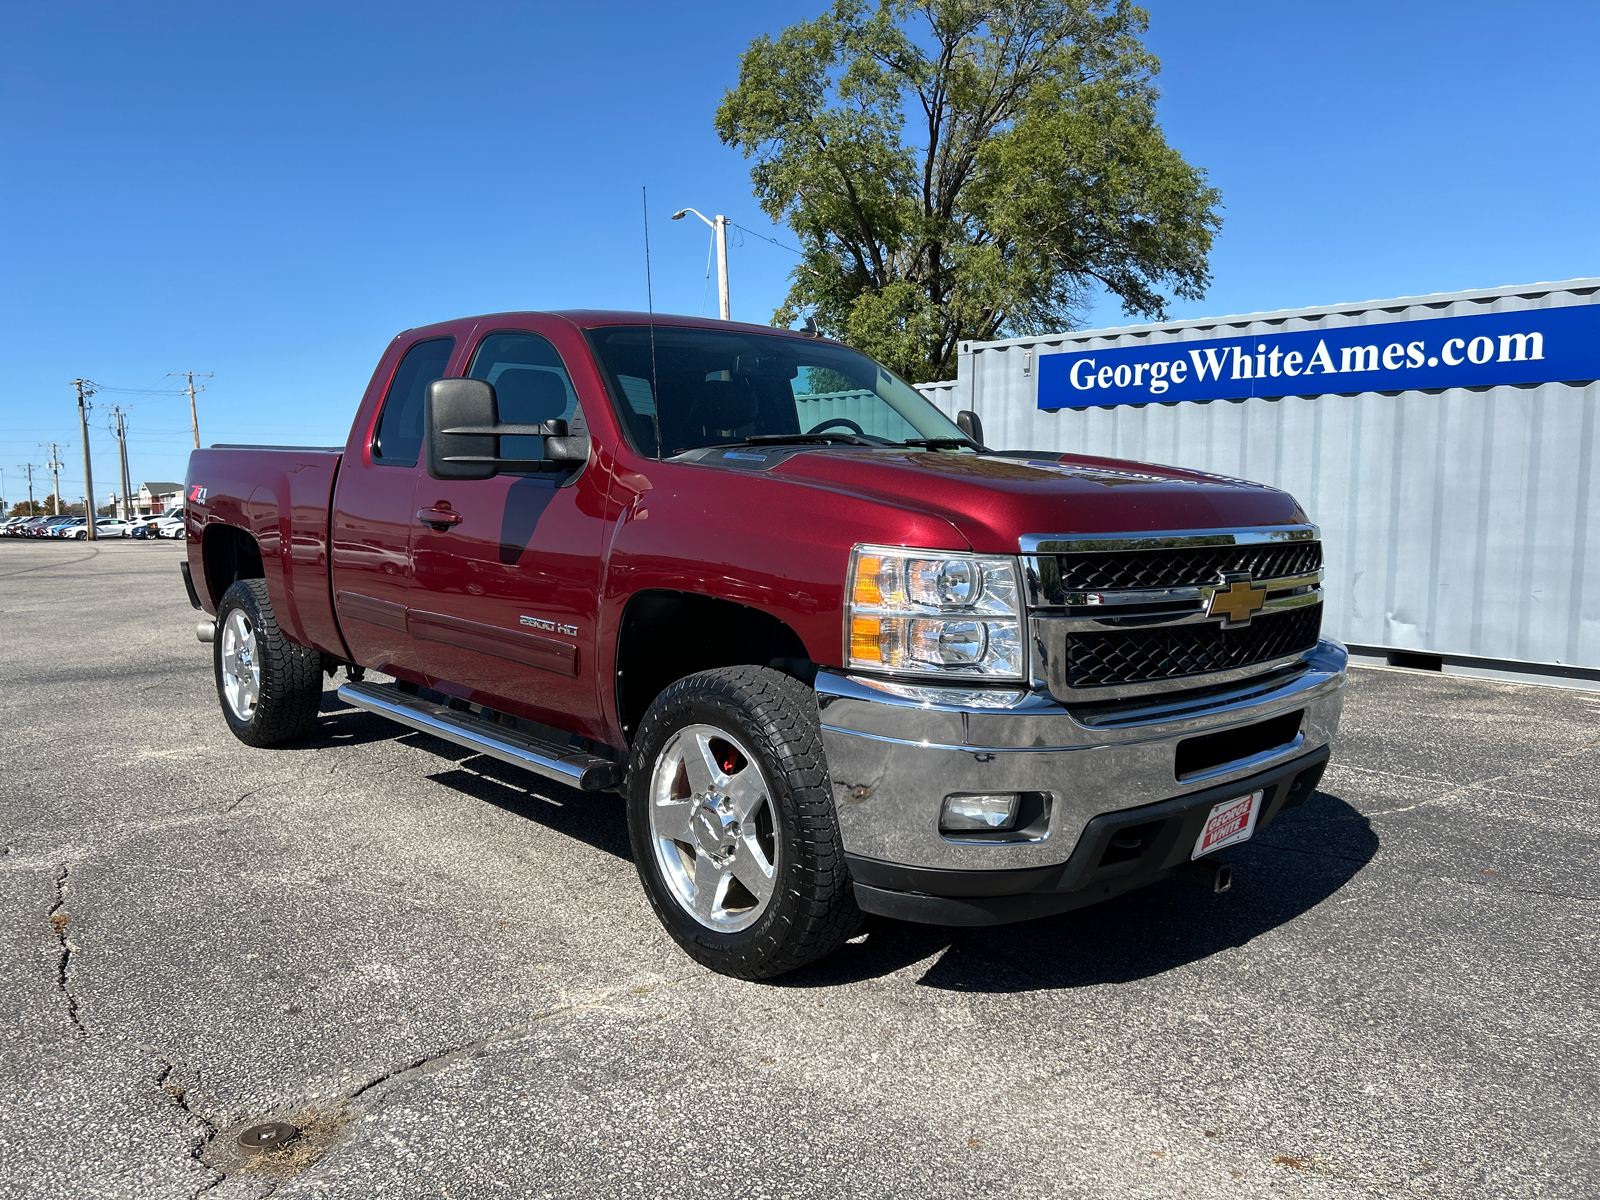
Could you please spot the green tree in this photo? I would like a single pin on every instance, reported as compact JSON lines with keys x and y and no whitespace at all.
{"x":23,"y":508}
{"x":967,"y":169}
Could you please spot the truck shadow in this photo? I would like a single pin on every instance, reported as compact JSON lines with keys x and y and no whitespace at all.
{"x":597,"y":818}
{"x":339,"y":724}
{"x":1296,"y":864}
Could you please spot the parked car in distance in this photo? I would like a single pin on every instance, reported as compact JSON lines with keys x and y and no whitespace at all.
{"x":170,"y":526}
{"x":104,"y":527}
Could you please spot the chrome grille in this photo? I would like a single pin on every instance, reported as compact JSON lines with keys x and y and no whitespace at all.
{"x":1175,"y":652}
{"x":1111,"y":570}
{"x":1126,"y":614}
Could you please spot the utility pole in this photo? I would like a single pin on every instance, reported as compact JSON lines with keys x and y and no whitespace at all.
{"x":28,"y":467}
{"x":55,"y":464}
{"x":719,"y":225}
{"x":89,"y":530}
{"x":122,"y":448}
{"x":194,"y":414}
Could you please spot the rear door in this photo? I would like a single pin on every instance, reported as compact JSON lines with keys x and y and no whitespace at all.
{"x":506,"y":600}
{"x":375,"y":514}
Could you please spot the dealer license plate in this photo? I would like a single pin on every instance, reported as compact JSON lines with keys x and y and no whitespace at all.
{"x":1231,"y":822}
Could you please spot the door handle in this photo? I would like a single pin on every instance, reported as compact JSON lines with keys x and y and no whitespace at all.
{"x":439,"y":518}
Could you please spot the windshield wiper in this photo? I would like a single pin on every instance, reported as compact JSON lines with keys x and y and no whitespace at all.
{"x":940,"y":443}
{"x":790,"y":439}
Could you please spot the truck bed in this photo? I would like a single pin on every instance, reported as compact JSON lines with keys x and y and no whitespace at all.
{"x":282,"y":496}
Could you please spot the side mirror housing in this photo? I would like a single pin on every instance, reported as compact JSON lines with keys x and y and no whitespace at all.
{"x":464,"y":431}
{"x":452,"y":404}
{"x":970,"y":424}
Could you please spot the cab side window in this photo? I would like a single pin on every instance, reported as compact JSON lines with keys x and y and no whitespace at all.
{"x":399,"y":440}
{"x":531,"y":386}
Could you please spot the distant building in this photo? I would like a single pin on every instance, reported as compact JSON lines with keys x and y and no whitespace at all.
{"x":157,"y":498}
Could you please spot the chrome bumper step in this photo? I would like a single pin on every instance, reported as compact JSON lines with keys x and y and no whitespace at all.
{"x":563,"y":764}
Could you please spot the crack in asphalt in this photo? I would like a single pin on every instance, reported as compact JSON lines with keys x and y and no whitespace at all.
{"x":1487,"y":782}
{"x":1437,"y":877}
{"x":59,"y":919}
{"x":257,"y":790}
{"x":180,"y":1097}
{"x":431,"y":1064}
{"x":51,"y":566}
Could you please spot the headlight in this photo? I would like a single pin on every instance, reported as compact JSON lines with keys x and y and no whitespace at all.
{"x":932,"y":611}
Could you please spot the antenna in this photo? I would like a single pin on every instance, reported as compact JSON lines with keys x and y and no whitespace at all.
{"x":650,"y":299}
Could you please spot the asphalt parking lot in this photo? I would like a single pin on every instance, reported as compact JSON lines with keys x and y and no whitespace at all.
{"x":447,"y":973}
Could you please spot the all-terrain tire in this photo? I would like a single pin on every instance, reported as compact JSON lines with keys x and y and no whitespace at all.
{"x":289,"y":693}
{"x":812,"y":909}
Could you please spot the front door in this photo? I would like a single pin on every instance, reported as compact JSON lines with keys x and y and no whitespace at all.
{"x":506,"y":601}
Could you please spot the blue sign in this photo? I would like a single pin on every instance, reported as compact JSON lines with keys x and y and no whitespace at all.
{"x":1540,"y":345}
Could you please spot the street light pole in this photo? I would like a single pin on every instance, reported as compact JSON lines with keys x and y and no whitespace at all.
{"x":719,"y":225}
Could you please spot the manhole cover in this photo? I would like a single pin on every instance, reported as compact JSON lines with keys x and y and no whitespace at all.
{"x":268,"y":1136}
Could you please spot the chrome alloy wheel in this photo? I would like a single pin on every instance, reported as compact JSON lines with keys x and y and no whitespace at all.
{"x":713,"y":828}
{"x":241,"y":668}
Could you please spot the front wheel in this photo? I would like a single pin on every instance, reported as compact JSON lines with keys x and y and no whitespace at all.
{"x":270,"y":687}
{"x":733,"y":826}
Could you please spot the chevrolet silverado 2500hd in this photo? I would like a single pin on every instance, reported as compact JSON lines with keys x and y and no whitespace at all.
{"x":838,"y":655}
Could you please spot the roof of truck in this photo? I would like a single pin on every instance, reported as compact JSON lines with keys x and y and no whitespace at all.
{"x":596,"y":318}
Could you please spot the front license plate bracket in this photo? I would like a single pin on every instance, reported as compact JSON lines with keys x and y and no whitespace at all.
{"x":1229,"y":823}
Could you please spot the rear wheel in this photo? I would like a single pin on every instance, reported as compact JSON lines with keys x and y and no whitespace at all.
{"x":733,"y":827}
{"x":269,"y":686}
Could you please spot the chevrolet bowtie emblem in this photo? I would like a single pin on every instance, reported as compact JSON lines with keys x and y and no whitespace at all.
{"x":1238,"y":601}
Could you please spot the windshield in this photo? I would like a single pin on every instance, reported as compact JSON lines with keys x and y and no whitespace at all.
{"x":715,"y":386}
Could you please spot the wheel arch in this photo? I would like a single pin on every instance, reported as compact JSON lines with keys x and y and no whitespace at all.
{"x":665,"y":635}
{"x":229,"y":554}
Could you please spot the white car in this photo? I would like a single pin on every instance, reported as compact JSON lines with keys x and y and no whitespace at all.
{"x":170,"y":527}
{"x":104,"y":527}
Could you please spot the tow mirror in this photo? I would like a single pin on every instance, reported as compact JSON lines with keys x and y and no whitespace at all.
{"x":970,"y":424}
{"x":464,"y":432}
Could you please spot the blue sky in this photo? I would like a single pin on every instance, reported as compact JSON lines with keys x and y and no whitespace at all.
{"x":271,"y":192}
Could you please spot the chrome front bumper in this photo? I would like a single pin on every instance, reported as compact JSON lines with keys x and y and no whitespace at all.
{"x":894,"y":757}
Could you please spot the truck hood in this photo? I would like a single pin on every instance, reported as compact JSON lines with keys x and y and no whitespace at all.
{"x":996,"y":499}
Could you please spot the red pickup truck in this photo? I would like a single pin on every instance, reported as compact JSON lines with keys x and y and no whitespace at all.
{"x":838,"y":655}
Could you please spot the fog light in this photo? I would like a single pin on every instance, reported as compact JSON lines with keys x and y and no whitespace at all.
{"x":979,"y":810}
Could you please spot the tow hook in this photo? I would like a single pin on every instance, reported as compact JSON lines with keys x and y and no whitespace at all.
{"x":1211,"y":874}
{"x":206,"y":631}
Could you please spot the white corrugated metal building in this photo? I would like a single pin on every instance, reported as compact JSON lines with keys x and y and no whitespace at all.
{"x":1456,"y":519}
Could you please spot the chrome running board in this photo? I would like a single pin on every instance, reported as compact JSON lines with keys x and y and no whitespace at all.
{"x":575,"y":768}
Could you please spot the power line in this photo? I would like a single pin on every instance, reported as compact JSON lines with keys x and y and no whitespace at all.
{"x":765,"y":238}
{"x":710,"y":246}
